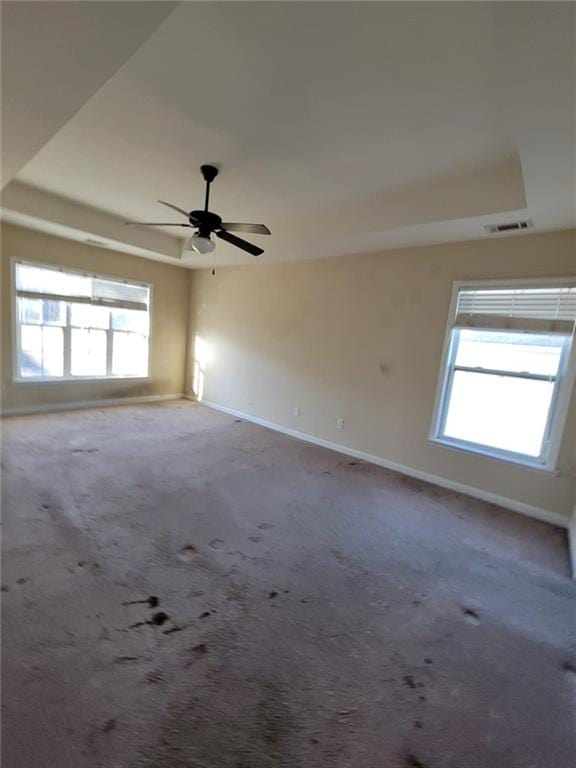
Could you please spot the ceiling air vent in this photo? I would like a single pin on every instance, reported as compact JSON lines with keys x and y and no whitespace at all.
{"x":511,"y":226}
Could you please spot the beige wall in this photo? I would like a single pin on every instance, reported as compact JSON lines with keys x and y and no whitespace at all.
{"x":360,"y":337}
{"x":170,"y":308}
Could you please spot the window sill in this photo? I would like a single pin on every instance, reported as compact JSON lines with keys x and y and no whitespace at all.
{"x":487,"y":454}
{"x":60,"y":379}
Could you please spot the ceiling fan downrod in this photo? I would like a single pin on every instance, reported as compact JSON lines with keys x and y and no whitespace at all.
{"x":209,"y":172}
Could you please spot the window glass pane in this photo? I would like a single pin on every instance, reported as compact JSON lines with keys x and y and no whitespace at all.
{"x":30,"y":350}
{"x":43,"y":280}
{"x":517,"y":352}
{"x":129,"y":354}
{"x":53,"y":312}
{"x":130,"y":320}
{"x":88,"y":352}
{"x":87,"y":316}
{"x":30,"y":311}
{"x":41,"y":351}
{"x":52,"y":351}
{"x":499,"y":411}
{"x":38,"y":311}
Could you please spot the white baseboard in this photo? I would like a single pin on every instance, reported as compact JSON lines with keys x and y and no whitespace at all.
{"x":572,"y":542}
{"x":25,"y":410}
{"x":544,"y":515}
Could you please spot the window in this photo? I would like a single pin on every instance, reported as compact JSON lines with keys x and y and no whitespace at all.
{"x":507,"y":371}
{"x":72,"y":325}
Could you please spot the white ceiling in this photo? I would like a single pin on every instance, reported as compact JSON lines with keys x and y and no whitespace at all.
{"x":342,"y":126}
{"x":53,"y":60}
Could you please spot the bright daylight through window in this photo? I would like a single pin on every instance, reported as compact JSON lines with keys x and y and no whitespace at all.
{"x":507,"y":372}
{"x":74,"y":325}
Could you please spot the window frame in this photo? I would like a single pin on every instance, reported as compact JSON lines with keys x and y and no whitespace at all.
{"x":67,"y":329}
{"x":559,"y":406}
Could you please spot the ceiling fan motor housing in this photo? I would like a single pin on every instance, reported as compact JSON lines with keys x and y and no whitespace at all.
{"x":205,"y":221}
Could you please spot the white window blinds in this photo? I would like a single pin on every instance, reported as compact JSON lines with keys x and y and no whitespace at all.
{"x":119,"y":292}
{"x":550,"y":309}
{"x":58,"y":285}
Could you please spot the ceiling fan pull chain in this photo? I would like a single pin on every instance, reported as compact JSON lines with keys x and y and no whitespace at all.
{"x":213,"y":262}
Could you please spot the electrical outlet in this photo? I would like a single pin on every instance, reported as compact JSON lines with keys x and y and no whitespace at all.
{"x":339,"y":423}
{"x":295,"y":411}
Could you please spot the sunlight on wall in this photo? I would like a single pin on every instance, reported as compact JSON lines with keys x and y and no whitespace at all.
{"x":202,"y":357}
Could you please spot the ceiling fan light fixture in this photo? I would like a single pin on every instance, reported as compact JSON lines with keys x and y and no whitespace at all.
{"x":200,"y":244}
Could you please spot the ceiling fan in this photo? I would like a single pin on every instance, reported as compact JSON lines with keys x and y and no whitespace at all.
{"x":205,"y":223}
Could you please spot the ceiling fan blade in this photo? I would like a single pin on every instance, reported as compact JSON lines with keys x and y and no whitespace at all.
{"x":256,"y":229}
{"x":239,"y":243}
{"x":154,"y":224}
{"x":174,"y":207}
